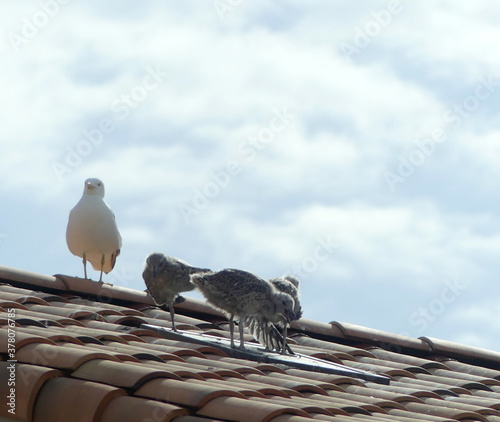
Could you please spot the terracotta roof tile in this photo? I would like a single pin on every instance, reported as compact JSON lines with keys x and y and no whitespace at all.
{"x":140,"y":352}
{"x":379,"y":368}
{"x":22,"y":339}
{"x":137,"y":409}
{"x":246,"y":410}
{"x":405,"y":415}
{"x":119,"y":374}
{"x":328,"y":378}
{"x":438,"y":409}
{"x":376,"y":363}
{"x":92,"y":304}
{"x":59,"y":357}
{"x":311,"y":406}
{"x":454,"y":349}
{"x":245,"y":387}
{"x":75,"y":335}
{"x":192,"y":393}
{"x":42,"y":316}
{"x":21,"y":297}
{"x":406,"y":359}
{"x":446,"y":378}
{"x":472,"y":369}
{"x":61,"y":311}
{"x":99,"y":309}
{"x":456,"y":403}
{"x":65,"y":399}
{"x":202,"y":348}
{"x":340,"y":350}
{"x":435,"y":386}
{"x":101,"y":324}
{"x":226,"y":363}
{"x":408,"y":389}
{"x":320,"y":353}
{"x":27,"y":278}
{"x":119,"y":353}
{"x":369,"y":400}
{"x":168,"y":323}
{"x":292,"y":382}
{"x":7,"y":304}
{"x":315,"y":327}
{"x":196,"y":419}
{"x":174,"y":350}
{"x":354,"y":331}
{"x":156,"y":313}
{"x":198,"y":306}
{"x":29,"y":381}
{"x":183,"y":369}
{"x":105,"y":335}
{"x":104,"y":292}
{"x":294,"y":418}
{"x":242,"y":365}
{"x":376,"y":393}
{"x":56,"y":334}
{"x":466,"y":380}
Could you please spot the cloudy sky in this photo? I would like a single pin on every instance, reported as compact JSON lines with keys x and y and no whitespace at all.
{"x":356,"y":146}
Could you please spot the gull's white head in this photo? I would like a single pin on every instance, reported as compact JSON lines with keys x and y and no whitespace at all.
{"x":94,"y":186}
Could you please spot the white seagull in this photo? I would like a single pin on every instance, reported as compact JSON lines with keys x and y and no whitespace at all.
{"x":92,"y":233}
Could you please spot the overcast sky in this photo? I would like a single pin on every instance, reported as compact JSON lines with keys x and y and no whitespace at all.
{"x":355,"y":145}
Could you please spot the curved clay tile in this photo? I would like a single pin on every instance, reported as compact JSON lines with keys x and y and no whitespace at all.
{"x":120,"y":374}
{"x":61,"y":311}
{"x":128,"y":408}
{"x":66,"y":399}
{"x":30,"y":379}
{"x":246,"y":410}
{"x":22,"y":339}
{"x":60,"y":357}
{"x":56,"y":334}
{"x":193,"y":393}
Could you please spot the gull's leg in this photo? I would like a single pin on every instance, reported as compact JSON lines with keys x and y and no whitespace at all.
{"x":172,"y":313}
{"x":102,"y":267}
{"x":265,"y":336}
{"x":242,"y":342}
{"x":285,"y":333}
{"x":231,"y":329}
{"x":84,"y":260}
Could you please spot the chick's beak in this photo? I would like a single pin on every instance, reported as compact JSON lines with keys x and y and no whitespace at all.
{"x":289,"y":315}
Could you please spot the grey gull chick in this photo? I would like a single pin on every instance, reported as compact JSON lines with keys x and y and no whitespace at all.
{"x":166,"y":277}
{"x":243,"y":294}
{"x":264,"y":330}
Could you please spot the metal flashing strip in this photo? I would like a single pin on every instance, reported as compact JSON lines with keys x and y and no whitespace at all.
{"x":255,"y":352}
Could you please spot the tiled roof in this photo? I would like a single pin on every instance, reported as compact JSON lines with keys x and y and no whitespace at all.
{"x":84,"y":354}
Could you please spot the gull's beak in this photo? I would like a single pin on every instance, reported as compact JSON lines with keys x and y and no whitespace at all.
{"x":289,"y":315}
{"x":90,"y":186}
